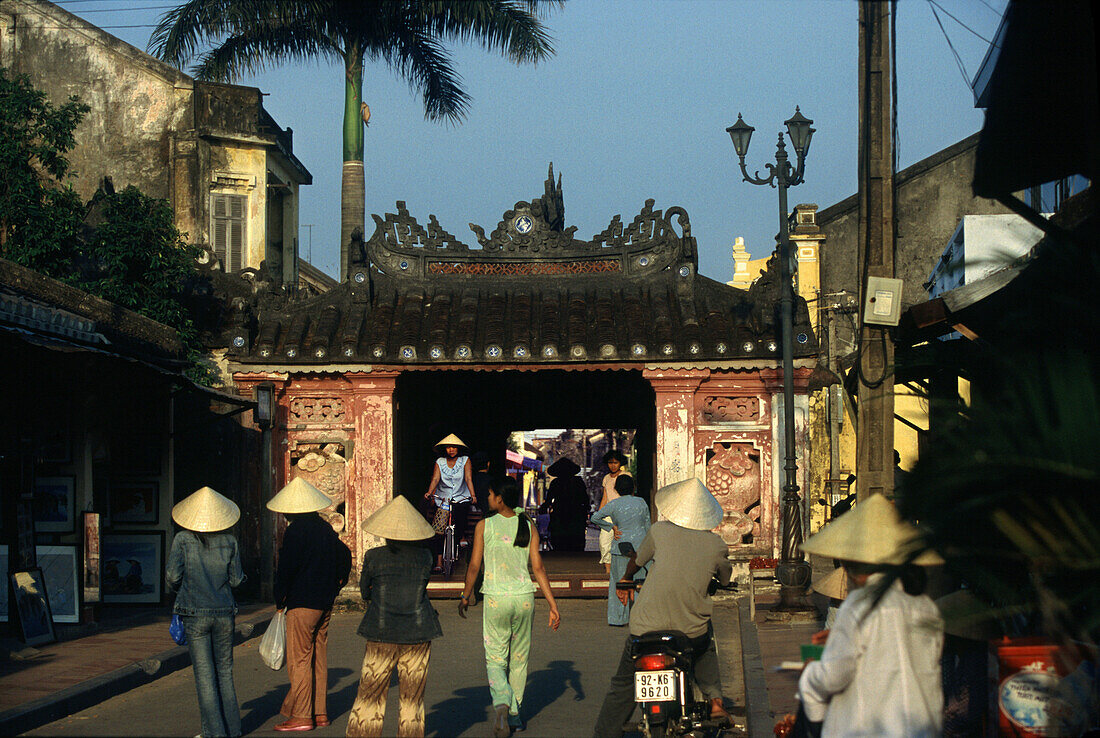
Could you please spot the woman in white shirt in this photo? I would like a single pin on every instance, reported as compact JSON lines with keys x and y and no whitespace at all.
{"x":880,"y":672}
{"x":616,"y":464}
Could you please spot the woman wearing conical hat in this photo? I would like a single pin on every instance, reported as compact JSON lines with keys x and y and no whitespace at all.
{"x":399,"y":623}
{"x":880,"y":671}
{"x":203,"y":567}
{"x":313,"y":566}
{"x":452,"y":484}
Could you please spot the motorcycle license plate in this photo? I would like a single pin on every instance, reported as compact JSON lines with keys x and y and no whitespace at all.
{"x":654,"y":686}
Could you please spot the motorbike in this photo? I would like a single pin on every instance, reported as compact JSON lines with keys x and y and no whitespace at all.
{"x":664,"y":680}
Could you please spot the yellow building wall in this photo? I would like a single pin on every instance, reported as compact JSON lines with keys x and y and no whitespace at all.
{"x":247,"y":168}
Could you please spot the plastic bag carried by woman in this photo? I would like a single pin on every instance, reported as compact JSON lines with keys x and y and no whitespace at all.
{"x":273,"y":644}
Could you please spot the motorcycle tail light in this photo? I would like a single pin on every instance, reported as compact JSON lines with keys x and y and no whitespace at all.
{"x":653,"y":662}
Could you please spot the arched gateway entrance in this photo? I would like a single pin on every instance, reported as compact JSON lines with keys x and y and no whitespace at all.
{"x":533,"y":329}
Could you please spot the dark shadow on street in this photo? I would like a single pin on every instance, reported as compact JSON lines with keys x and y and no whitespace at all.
{"x":257,"y":712}
{"x":545,"y":686}
{"x":455,"y":715}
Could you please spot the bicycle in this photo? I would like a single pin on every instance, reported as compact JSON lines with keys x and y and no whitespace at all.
{"x":450,"y":549}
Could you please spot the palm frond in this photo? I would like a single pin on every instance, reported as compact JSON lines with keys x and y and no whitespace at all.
{"x":250,"y":52}
{"x":252,"y":35}
{"x":509,"y":27}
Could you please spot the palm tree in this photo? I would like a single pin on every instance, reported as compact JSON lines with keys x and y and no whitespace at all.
{"x":409,"y":35}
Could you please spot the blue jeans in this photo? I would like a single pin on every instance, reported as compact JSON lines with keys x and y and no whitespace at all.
{"x":210,"y":640}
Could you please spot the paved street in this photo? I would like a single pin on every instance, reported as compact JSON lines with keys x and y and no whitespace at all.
{"x":569,"y":672}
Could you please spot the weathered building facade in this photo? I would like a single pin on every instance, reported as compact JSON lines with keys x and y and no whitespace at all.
{"x":533,"y":329}
{"x":211,"y":150}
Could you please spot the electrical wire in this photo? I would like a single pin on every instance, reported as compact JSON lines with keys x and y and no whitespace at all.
{"x":948,"y":14}
{"x":127,"y":9}
{"x":958,"y":59}
{"x":998,"y":13}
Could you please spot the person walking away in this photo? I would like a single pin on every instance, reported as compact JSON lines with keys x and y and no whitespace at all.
{"x":507,"y":543}
{"x":203,"y":567}
{"x":569,"y":505}
{"x":880,"y":671}
{"x":452,"y":484}
{"x":615,"y":462}
{"x":685,"y":554}
{"x":399,"y":623}
{"x":481,"y":480}
{"x":627,"y":517}
{"x":314,"y":565}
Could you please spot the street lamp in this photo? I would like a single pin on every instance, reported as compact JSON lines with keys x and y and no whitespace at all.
{"x":792,"y":572}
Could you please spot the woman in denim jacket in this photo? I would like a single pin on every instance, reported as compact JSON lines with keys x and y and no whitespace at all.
{"x":399,"y":624}
{"x":203,"y":566}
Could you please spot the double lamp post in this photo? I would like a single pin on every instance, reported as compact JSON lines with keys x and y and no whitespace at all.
{"x":792,"y":572}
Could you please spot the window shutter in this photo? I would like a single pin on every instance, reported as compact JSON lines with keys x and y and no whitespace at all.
{"x":228,"y":230}
{"x":236,"y":232}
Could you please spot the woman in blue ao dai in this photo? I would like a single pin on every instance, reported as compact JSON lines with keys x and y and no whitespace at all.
{"x":627,"y":517}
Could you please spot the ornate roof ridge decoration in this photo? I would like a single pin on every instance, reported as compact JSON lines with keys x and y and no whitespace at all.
{"x":530,"y":240}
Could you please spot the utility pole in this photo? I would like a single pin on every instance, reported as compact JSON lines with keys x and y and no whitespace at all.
{"x":875,"y":438}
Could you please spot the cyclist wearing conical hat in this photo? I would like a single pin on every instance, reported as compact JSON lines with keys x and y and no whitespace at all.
{"x":452,"y":484}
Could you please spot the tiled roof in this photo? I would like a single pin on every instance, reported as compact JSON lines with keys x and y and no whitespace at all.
{"x":532,"y":294}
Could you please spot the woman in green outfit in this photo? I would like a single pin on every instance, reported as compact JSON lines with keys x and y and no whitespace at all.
{"x":507,"y":542}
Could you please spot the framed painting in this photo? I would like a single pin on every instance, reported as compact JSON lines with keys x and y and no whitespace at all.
{"x":4,"y":563}
{"x":54,"y":508}
{"x":58,"y":565}
{"x":133,"y":567}
{"x":33,"y":607}
{"x":133,"y":503}
{"x":91,"y":557}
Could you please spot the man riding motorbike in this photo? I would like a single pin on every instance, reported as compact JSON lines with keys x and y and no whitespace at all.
{"x":685,"y":556}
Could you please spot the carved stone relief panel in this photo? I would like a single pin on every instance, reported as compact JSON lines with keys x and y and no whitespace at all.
{"x":316,"y":410}
{"x":733,"y":476}
{"x":730,"y":410}
{"x":322,"y":465}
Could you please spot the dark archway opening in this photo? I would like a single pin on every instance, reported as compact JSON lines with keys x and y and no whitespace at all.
{"x":483,"y":407}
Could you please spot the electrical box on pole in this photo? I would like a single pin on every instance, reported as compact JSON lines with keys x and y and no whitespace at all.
{"x":875,"y":422}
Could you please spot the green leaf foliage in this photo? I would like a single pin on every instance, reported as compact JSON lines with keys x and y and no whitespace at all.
{"x":123,"y":247}
{"x":140,"y":257}
{"x":39,"y":215}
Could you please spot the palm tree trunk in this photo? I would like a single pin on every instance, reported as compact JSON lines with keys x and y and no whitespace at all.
{"x":352,"y":185}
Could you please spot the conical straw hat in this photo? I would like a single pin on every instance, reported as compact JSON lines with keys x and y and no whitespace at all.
{"x":689,"y":504}
{"x":833,"y":585}
{"x":398,"y":520}
{"x":299,"y":497}
{"x":451,"y":440}
{"x":871,"y":533}
{"x":206,"y":511}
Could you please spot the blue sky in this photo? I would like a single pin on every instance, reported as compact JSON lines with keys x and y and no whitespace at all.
{"x":633,"y":106}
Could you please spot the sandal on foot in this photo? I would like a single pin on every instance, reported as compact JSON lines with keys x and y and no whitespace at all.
{"x":295,"y":724}
{"x":501,"y":729}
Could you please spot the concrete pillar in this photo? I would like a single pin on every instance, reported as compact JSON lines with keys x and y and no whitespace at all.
{"x":675,"y":405}
{"x":370,"y":476}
